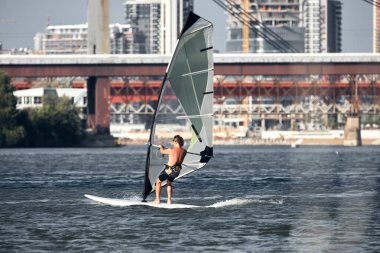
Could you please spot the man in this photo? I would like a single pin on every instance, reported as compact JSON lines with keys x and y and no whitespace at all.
{"x":172,"y":168}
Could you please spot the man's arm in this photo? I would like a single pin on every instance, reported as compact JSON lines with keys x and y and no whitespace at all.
{"x":164,"y":151}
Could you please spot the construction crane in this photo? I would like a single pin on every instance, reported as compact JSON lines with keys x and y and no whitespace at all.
{"x":373,"y":2}
{"x":246,"y":28}
{"x":245,"y":45}
{"x":255,"y":25}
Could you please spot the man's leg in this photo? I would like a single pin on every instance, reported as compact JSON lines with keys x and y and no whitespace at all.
{"x":170,"y":191}
{"x":158,"y":191}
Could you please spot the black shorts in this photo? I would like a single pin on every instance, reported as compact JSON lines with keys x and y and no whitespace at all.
{"x":170,"y":177}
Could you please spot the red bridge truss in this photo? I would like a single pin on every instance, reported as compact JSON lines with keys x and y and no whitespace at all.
{"x":267,"y":86}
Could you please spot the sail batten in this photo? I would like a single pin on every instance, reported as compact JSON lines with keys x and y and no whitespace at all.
{"x":195,"y":116}
{"x":205,"y":49}
{"x":185,"y":104}
{"x":198,"y":72}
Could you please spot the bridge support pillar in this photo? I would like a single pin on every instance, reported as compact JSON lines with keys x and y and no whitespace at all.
{"x":352,"y":136}
{"x":98,"y":91}
{"x":263,"y":122}
{"x":292,"y":124}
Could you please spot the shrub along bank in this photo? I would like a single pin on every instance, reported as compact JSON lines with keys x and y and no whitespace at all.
{"x":55,"y":124}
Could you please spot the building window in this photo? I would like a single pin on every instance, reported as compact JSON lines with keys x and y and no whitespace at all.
{"x":27,"y":100}
{"x":37,"y":100}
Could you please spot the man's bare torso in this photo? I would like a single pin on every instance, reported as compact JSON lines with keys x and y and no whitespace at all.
{"x":176,"y":156}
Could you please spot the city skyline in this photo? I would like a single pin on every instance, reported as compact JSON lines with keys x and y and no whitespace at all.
{"x":21,"y":20}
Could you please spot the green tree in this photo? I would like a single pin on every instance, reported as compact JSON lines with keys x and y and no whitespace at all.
{"x":57,"y":123}
{"x":11,"y":134}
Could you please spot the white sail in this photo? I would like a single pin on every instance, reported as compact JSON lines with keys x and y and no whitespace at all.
{"x":185,"y":104}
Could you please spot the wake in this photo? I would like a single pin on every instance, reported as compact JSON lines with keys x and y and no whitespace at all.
{"x":240,"y":202}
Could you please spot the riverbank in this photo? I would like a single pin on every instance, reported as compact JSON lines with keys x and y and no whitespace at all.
{"x":287,"y":138}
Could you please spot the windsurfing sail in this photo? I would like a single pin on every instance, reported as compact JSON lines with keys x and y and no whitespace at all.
{"x":185,"y":103}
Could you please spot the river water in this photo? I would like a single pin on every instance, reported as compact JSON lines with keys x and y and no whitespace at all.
{"x":263,"y":199}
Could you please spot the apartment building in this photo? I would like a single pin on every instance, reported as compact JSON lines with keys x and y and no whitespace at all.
{"x":72,"y":39}
{"x":157,"y":23}
{"x":323,"y":26}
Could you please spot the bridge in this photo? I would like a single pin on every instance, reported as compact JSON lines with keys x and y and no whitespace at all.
{"x":155,"y":65}
{"x":331,"y":83}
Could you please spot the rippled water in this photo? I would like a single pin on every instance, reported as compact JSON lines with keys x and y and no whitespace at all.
{"x":261,"y":199}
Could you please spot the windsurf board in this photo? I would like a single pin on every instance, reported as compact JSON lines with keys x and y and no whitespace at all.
{"x":128,"y":202}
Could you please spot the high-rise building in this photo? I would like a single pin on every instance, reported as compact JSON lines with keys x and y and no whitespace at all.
{"x":121,"y":39}
{"x":282,"y":17}
{"x":157,"y":23}
{"x":72,"y":39}
{"x":144,"y":16}
{"x":311,"y":26}
{"x":334,"y":26}
{"x":62,"y":39}
{"x":376,"y":26}
{"x":322,"y":20}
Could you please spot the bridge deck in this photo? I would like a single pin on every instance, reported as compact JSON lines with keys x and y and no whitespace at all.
{"x":155,"y":65}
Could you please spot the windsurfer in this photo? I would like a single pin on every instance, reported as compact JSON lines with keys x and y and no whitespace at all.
{"x":172,"y":168}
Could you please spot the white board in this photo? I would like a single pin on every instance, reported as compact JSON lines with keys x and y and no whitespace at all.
{"x":128,"y":202}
